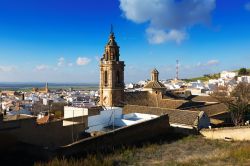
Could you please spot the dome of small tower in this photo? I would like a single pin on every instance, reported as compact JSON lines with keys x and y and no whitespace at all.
{"x":155,"y":71}
{"x":154,"y":75}
{"x":155,"y":85}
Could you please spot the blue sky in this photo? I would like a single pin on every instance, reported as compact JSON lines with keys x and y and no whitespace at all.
{"x":61,"y":41}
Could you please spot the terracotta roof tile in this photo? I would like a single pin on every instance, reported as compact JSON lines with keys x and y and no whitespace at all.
{"x":43,"y":120}
{"x":184,"y":117}
{"x":213,"y":109}
{"x":154,"y":85}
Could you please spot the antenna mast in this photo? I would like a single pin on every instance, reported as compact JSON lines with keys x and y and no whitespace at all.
{"x":177,"y":69}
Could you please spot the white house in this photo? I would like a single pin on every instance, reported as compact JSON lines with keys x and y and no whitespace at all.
{"x":129,"y":86}
{"x":70,"y":112}
{"x":228,"y":74}
{"x":142,"y":83}
{"x":243,"y":79}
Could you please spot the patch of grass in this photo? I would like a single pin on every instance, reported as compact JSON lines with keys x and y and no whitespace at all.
{"x":92,"y":160}
{"x":189,"y":138}
{"x":241,"y":154}
{"x":191,"y":150}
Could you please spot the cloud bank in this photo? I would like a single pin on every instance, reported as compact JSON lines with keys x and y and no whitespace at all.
{"x":81,"y":61}
{"x":7,"y":68}
{"x":168,"y":19}
{"x":41,"y":67}
{"x":212,"y":62}
{"x":61,"y":61}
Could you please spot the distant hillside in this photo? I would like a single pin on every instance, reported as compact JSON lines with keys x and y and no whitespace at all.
{"x":207,"y":77}
{"x":248,"y":70}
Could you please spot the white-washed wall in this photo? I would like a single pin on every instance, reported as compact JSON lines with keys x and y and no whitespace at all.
{"x":126,"y":119}
{"x":70,"y":112}
{"x":234,"y":133}
{"x":139,"y":116}
{"x":106,"y":118}
{"x":124,"y":122}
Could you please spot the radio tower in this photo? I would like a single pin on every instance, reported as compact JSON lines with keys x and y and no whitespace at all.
{"x":177,"y":69}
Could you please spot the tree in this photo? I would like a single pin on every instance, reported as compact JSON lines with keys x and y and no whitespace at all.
{"x":207,"y":75}
{"x":237,"y":102}
{"x":243,"y":71}
{"x":240,"y":104}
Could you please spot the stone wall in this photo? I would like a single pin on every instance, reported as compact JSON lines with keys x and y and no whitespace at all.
{"x":94,"y":110}
{"x":228,"y":133}
{"x":119,"y":137}
{"x":50,"y":134}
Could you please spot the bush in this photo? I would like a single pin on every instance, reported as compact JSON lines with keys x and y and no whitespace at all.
{"x":243,"y":71}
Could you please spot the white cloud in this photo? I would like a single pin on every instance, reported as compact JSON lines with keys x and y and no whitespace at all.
{"x":170,"y":18}
{"x":212,"y":62}
{"x":81,"y":61}
{"x":161,"y":36}
{"x":61,"y":61}
{"x":247,"y":6}
{"x":41,"y":67}
{"x":7,"y":68}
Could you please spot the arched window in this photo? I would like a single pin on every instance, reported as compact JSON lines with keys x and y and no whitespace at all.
{"x":105,"y":78}
{"x":118,"y":79}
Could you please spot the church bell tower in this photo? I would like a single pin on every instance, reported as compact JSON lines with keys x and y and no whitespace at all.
{"x":111,"y":75}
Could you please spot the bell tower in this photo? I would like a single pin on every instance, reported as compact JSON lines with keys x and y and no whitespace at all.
{"x":111,"y":75}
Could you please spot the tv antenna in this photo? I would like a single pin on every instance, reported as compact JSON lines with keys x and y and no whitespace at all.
{"x":177,"y":70}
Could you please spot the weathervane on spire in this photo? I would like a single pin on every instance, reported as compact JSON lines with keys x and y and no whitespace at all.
{"x":111,"y":29}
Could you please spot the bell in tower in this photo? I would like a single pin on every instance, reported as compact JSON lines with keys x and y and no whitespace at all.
{"x":111,"y":75}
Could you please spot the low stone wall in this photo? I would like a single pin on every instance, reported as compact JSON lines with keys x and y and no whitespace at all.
{"x":228,"y":133}
{"x":184,"y":130}
{"x":52,"y":134}
{"x":123,"y":136}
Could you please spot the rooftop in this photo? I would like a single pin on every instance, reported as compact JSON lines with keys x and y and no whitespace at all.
{"x":176,"y":116}
{"x":154,"y":85}
{"x":16,"y":117}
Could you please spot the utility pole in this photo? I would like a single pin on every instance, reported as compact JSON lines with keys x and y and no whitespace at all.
{"x":1,"y":103}
{"x":49,"y":109}
{"x":72,"y":132}
{"x":113,"y":119}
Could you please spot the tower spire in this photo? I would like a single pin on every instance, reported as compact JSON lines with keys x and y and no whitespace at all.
{"x":111,"y":74}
